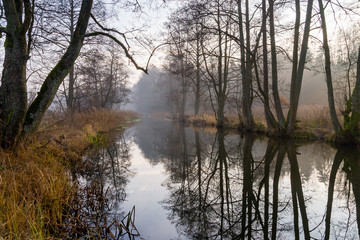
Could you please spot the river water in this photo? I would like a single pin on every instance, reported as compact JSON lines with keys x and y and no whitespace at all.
{"x":202,"y":184}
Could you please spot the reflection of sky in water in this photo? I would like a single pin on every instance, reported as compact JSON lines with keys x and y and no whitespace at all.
{"x":145,"y":191}
{"x":151,"y":189}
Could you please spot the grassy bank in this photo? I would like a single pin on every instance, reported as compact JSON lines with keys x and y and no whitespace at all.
{"x":35,"y":188}
{"x":313,"y":123}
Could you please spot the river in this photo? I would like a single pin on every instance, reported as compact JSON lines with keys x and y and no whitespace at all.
{"x":206,"y":184}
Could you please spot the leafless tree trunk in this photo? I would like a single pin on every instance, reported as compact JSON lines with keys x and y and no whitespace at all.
{"x":13,"y":94}
{"x":330,"y":92}
{"x":265,"y":66}
{"x":274,"y":69}
{"x":296,"y":85}
{"x":198,"y":77}
{"x":70,"y":100}
{"x":245,"y":64}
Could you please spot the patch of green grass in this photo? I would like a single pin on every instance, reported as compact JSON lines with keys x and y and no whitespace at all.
{"x":97,"y":140}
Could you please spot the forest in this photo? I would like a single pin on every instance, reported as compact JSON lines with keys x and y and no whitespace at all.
{"x":248,"y":59}
{"x":234,"y":85}
{"x":232,"y":55}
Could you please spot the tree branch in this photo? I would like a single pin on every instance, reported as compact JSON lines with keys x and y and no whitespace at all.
{"x":126,"y":50}
{"x":110,"y":30}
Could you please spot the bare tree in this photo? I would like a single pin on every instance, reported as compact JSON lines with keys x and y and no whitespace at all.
{"x":298,"y":69}
{"x":15,"y":116}
{"x":103,"y":81}
{"x":334,"y":119}
{"x":217,"y":53}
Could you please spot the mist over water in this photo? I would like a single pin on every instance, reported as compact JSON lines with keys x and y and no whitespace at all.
{"x":207,"y":184}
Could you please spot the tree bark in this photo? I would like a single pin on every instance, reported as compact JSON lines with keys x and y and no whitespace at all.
{"x":247,"y":74}
{"x":334,"y":119}
{"x":13,"y":93}
{"x":295,"y":58}
{"x":351,"y":123}
{"x":246,"y":84}
{"x":221,"y":84}
{"x":70,"y":100}
{"x":269,"y":117}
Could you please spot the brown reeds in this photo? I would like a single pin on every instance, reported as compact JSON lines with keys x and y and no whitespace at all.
{"x":314,"y":116}
{"x":313,"y":121}
{"x":35,"y":187}
{"x":203,"y":120}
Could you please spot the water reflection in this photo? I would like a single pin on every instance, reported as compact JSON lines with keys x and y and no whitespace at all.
{"x":96,"y":210}
{"x":226,"y":186}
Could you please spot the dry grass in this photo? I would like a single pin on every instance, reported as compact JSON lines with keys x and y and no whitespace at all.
{"x":232,"y":121}
{"x":314,"y":116}
{"x":35,"y":187}
{"x":314,"y":119}
{"x":203,"y":120}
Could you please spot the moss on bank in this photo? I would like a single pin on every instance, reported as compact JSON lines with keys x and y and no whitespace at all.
{"x":35,"y":188}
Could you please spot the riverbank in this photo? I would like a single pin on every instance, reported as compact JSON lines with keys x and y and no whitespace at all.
{"x":35,"y":186}
{"x":311,"y":126}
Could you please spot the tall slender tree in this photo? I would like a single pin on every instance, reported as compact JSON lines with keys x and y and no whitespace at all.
{"x":297,"y":77}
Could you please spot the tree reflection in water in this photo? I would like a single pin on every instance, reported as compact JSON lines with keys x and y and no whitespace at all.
{"x":224,"y":186}
{"x":102,"y":178}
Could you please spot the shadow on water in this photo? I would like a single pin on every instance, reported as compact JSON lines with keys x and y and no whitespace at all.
{"x":227,"y":186}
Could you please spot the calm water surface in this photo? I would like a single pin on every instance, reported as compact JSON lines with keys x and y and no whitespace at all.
{"x":188,"y":184}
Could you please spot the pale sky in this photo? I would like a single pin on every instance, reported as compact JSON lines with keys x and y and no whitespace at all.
{"x":151,"y":24}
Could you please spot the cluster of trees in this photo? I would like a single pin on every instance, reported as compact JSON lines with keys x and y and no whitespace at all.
{"x":100,"y":81}
{"x":42,"y":41}
{"x":98,"y":78}
{"x":233,"y":52}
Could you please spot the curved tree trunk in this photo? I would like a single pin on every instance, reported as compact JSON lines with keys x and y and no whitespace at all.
{"x":51,"y":84}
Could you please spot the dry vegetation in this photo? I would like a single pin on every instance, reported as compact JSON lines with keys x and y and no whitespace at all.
{"x":314,"y":116}
{"x":313,"y":121}
{"x":232,"y":121}
{"x":35,"y":188}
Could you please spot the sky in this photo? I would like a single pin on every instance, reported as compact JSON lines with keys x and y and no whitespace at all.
{"x":151,"y":24}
